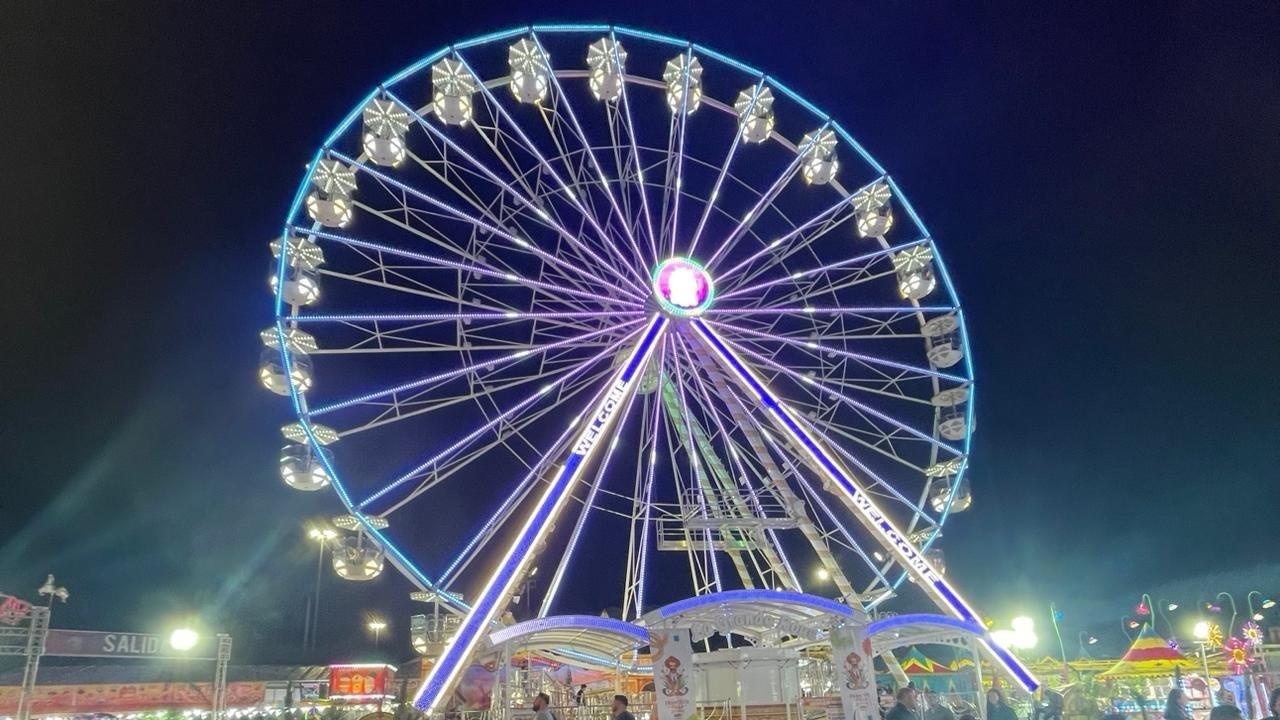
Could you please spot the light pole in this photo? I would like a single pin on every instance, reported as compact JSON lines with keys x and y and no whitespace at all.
{"x":377,"y":625}
{"x":1266,"y":603}
{"x":1201,"y":634}
{"x":1231,"y":627}
{"x":321,"y":534}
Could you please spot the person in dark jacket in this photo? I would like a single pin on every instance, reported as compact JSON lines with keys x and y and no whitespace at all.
{"x":1175,"y":707}
{"x":1225,"y":712}
{"x":907,"y":707}
{"x":997,"y":707}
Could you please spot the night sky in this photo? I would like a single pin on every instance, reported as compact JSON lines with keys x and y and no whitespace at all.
{"x":1102,"y":181}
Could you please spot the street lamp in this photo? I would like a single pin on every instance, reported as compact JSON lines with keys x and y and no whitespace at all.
{"x":1231,"y":627}
{"x":1201,"y":633}
{"x":53,"y":590}
{"x":823,"y":574}
{"x":1257,"y":614}
{"x":183,"y":639}
{"x":377,"y":625}
{"x":1085,"y":638}
{"x":321,"y":534}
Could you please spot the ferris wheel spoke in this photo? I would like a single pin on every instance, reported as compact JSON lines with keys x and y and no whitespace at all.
{"x":587,"y":147}
{"x":553,"y":589}
{"x":724,"y":172}
{"x":675,"y":173}
{"x":476,"y":269}
{"x":504,"y":417}
{"x":866,"y":258}
{"x":527,"y":200}
{"x":819,"y":348}
{"x":767,"y":197}
{"x":698,"y":477}
{"x":459,"y":372}
{"x":571,"y":196}
{"x":799,"y":239}
{"x":481,"y":224}
{"x":511,"y":432}
{"x":862,"y":407}
{"x":767,"y":542}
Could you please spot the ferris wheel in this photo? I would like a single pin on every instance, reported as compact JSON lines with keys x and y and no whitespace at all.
{"x":586,"y":285}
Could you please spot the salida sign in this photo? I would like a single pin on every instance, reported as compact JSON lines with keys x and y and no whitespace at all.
{"x":85,"y":643}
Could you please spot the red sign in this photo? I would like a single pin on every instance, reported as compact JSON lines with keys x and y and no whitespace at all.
{"x":361,"y":681}
{"x":12,"y":609}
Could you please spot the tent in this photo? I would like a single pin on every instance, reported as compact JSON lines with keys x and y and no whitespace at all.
{"x":1149,"y":656}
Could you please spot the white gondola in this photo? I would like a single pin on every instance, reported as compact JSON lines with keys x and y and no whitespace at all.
{"x":606,"y":60}
{"x":302,"y":252}
{"x":915,"y":272}
{"x":755,"y":113}
{"x":941,"y":495}
{"x":943,"y":337}
{"x":818,"y":157}
{"x":272,"y":375}
{"x":451,"y":89}
{"x":530,"y":76}
{"x":357,"y":558}
{"x":323,"y":434}
{"x":952,"y":424}
{"x":683,"y":74}
{"x":301,"y":466}
{"x":937,"y":558}
{"x":876,"y":223}
{"x":329,"y":210}
{"x":301,"y":286}
{"x":951,"y":397}
{"x":385,"y":151}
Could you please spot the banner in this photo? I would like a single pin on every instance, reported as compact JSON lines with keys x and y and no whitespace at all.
{"x":87,"y":643}
{"x":128,"y":697}
{"x":672,"y":654}
{"x":851,"y":656}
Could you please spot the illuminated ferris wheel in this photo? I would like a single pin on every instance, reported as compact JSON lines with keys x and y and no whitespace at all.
{"x":573,"y":285}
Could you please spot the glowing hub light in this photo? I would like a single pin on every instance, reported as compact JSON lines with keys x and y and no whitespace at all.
{"x":683,"y":287}
{"x":183,"y":639}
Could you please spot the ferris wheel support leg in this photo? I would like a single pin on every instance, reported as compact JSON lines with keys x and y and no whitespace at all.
{"x":431,"y":697}
{"x":865,"y":509}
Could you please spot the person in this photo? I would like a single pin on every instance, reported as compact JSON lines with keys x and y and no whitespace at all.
{"x":1225,"y":712}
{"x":582,"y":691}
{"x":907,"y":707}
{"x":618,"y":710}
{"x":997,"y":707}
{"x":1175,"y":706}
{"x":936,"y":708}
{"x":542,"y":707}
{"x":1050,"y":709}
{"x":1274,"y":705}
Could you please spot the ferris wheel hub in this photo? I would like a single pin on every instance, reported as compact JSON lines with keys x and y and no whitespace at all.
{"x":683,"y":287}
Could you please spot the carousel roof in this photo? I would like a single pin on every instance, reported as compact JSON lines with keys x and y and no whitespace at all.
{"x":1150,"y":655}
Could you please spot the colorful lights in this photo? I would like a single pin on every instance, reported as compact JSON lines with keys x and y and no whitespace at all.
{"x":683,"y":287}
{"x":1238,"y":655}
{"x":511,"y":568}
{"x":862,"y":504}
{"x":1251,"y":633}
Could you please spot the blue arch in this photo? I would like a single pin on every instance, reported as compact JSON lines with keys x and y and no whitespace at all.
{"x":744,"y":596}
{"x":595,"y":623}
{"x":897,"y":621}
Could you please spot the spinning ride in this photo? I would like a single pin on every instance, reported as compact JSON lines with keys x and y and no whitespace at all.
{"x":561,"y":283}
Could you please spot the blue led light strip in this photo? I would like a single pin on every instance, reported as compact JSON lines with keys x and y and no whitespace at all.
{"x":871,"y":515}
{"x":435,"y":689}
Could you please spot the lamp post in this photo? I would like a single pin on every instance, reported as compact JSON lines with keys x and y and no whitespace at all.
{"x":1231,"y":627}
{"x":1054,"y":616}
{"x":1201,"y":634}
{"x":1265,"y":603}
{"x":321,"y":535}
{"x":377,"y":625}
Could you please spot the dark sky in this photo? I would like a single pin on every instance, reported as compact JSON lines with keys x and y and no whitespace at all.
{"x":1102,"y":180}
